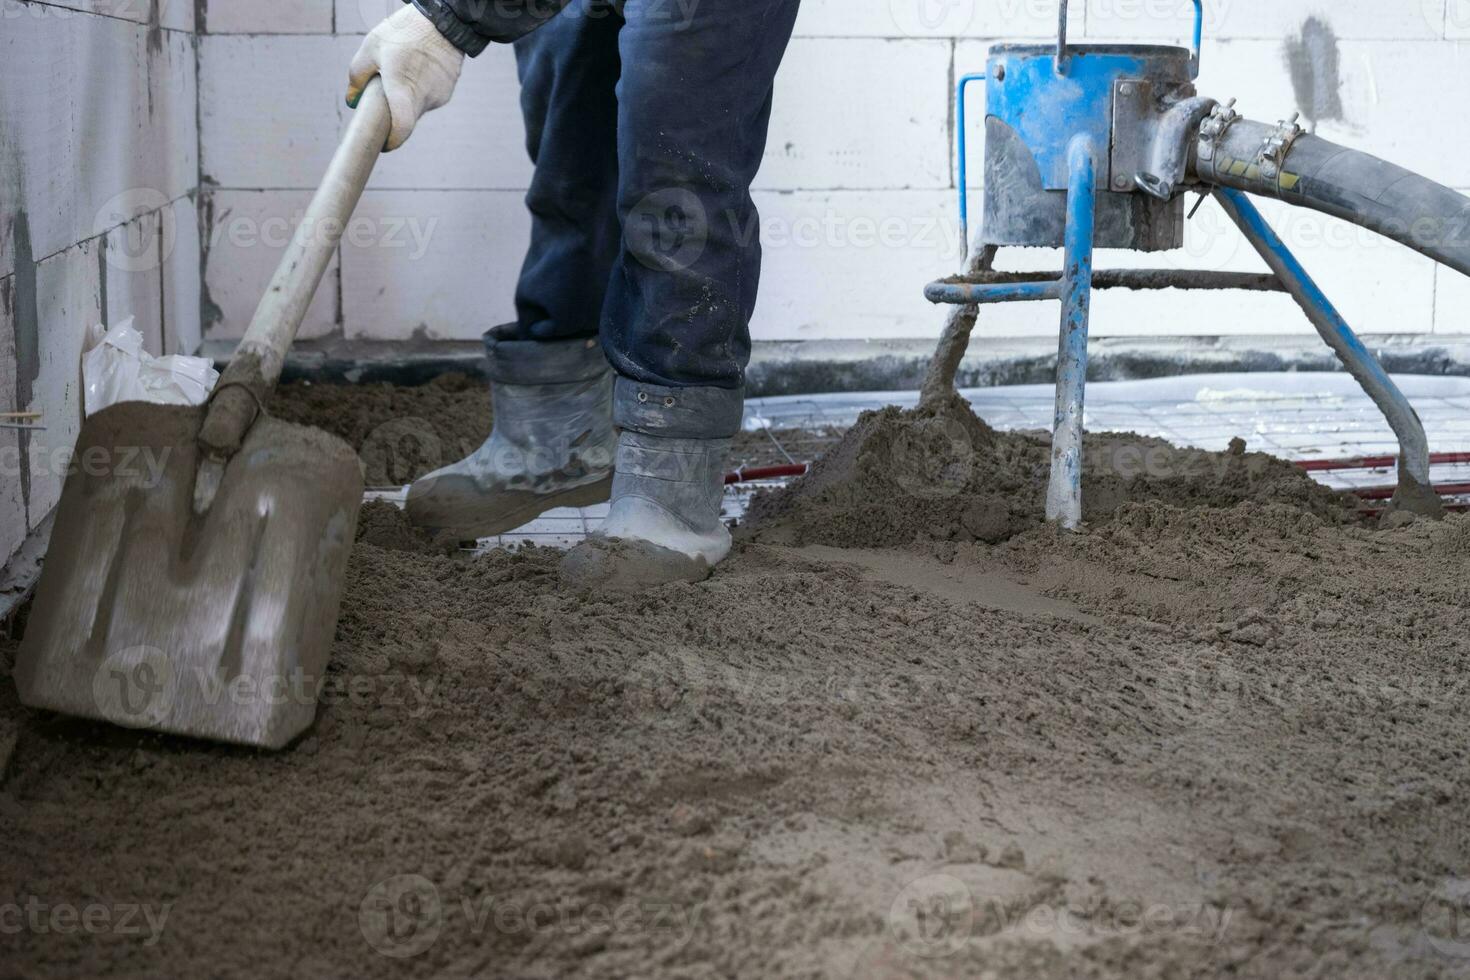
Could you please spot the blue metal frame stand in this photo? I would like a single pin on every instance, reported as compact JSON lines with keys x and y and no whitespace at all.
{"x":1064,"y":491}
{"x":1334,"y":330}
{"x":1055,"y":118}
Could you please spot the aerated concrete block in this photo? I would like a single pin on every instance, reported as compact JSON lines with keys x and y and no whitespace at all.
{"x":361,"y":16}
{"x":889,"y":138}
{"x":1457,"y":19}
{"x":132,"y":267}
{"x":476,"y":142}
{"x":69,"y":301}
{"x":848,"y":264}
{"x":1020,"y":19}
{"x":182,"y":273}
{"x":1172,"y":20}
{"x":434,"y":264}
{"x":269,"y":16}
{"x":99,"y":115}
{"x":245,"y":234}
{"x":175,"y":15}
{"x":271,"y":108}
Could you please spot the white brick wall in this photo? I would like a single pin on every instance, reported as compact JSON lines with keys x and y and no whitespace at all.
{"x":860,"y":126}
{"x":857,"y":187}
{"x":269,"y":17}
{"x":247,"y":231}
{"x":99,"y":165}
{"x":432,"y":263}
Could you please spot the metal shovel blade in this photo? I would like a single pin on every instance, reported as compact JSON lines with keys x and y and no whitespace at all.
{"x":217,"y":626}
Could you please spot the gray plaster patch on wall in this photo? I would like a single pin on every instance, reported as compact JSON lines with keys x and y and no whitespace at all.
{"x":1313,"y":61}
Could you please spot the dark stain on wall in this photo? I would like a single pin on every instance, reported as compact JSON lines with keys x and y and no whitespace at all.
{"x":209,"y":311}
{"x":1315,"y":67}
{"x":27,"y":320}
{"x":102,"y":278}
{"x":155,"y":28}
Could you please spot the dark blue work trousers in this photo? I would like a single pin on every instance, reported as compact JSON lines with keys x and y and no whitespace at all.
{"x":646,"y":121}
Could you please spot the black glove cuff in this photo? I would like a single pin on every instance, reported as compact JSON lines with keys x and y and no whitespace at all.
{"x":455,"y":31}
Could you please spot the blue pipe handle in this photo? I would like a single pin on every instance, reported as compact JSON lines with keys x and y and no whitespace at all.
{"x":1063,"y":56}
{"x":1199,"y":34}
{"x":960,"y":87}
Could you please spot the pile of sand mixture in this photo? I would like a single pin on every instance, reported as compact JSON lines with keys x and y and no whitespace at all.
{"x":938,"y":473}
{"x":401,"y":433}
{"x":907,"y":729}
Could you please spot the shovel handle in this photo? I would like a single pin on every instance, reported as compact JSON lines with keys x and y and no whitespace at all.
{"x":253,"y":371}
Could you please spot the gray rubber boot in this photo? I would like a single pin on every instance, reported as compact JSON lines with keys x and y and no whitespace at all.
{"x":664,"y":524}
{"x":552,"y":444}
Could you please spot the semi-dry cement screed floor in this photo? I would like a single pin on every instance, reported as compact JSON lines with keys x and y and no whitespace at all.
{"x":908,"y":729}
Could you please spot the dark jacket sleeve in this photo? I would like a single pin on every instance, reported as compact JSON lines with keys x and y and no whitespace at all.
{"x":471,"y":25}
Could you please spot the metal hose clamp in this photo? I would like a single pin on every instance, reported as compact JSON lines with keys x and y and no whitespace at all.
{"x":1212,"y":132}
{"x":1272,"y":156}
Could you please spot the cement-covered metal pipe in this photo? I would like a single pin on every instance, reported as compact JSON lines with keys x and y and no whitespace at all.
{"x":1064,"y":488}
{"x":1170,"y":149}
{"x":1312,"y":172}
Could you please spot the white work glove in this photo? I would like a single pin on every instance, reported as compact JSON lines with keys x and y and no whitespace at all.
{"x":418,"y":65}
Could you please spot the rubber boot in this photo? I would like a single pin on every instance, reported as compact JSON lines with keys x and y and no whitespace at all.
{"x":552,"y":444}
{"x":664,"y":524}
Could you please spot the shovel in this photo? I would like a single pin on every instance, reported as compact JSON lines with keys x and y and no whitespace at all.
{"x":198,"y":556}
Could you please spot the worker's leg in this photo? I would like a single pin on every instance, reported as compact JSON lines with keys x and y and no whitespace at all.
{"x":553,"y":441}
{"x":569,"y":74}
{"x":694,"y":102}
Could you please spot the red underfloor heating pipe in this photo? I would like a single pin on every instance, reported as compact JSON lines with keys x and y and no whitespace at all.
{"x":750,"y":473}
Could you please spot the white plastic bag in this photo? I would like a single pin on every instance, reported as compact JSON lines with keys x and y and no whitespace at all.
{"x":118,"y":369}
